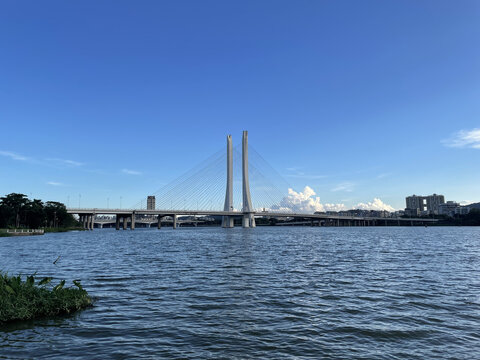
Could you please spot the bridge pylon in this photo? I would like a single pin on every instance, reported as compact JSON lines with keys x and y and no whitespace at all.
{"x":227,"y":221}
{"x":248,"y":218}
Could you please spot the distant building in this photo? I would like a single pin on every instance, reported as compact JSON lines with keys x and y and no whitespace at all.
{"x":433,"y":202}
{"x":425,"y":204}
{"x":450,"y":208}
{"x":416,"y":202}
{"x":150,"y":202}
{"x":412,"y":212}
{"x":462,"y":210}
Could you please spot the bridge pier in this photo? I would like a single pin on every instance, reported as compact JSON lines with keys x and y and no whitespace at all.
{"x":132,"y":224}
{"x":227,"y":221}
{"x":248,"y":220}
{"x":159,"y":223}
{"x":117,"y":222}
{"x":174,"y":221}
{"x":86,"y":221}
{"x":125,"y":222}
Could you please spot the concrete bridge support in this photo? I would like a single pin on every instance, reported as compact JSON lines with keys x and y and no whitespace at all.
{"x":125,"y":222}
{"x":90,"y":222}
{"x":87,"y":221}
{"x":227,"y":221}
{"x":174,"y":221}
{"x":159,"y":223}
{"x":117,"y":222}
{"x":248,"y":218}
{"x":132,"y":223}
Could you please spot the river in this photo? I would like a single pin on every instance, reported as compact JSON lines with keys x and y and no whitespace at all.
{"x":268,"y":292}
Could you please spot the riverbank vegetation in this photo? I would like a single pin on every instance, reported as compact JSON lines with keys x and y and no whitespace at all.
{"x":470,"y":219}
{"x":27,"y":300}
{"x":18,"y":211}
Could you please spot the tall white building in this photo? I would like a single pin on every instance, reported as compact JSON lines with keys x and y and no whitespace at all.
{"x":415,"y":202}
{"x":433,"y":202}
{"x":424,"y":204}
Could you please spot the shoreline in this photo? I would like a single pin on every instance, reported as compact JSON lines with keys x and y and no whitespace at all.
{"x":34,"y":232}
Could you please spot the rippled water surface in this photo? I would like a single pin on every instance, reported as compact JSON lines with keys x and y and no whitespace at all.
{"x":371,"y":293}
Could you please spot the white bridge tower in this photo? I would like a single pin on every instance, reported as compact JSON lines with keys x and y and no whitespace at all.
{"x":227,"y":221}
{"x":247,"y":209}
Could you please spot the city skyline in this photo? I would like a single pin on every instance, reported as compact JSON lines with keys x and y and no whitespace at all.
{"x":350,"y":101}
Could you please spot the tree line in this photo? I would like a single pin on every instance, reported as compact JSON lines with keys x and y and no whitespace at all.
{"x":18,"y":211}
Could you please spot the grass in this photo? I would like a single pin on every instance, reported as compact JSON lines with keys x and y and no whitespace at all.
{"x":25,"y":300}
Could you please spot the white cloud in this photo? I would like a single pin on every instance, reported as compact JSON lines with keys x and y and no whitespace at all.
{"x":55,"y":183}
{"x":49,"y":162}
{"x":66,"y":162}
{"x":306,"y":201}
{"x":344,"y":186}
{"x":131,"y":172}
{"x":464,"y":138}
{"x":13,"y":155}
{"x":334,"y":207}
{"x":376,"y":204}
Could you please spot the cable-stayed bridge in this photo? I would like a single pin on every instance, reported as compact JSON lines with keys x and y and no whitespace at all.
{"x":211,"y":189}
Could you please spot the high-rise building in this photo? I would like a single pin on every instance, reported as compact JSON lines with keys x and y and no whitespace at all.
{"x":416,"y":202}
{"x":151,"y":202}
{"x":433,"y":201}
{"x":427,"y":204}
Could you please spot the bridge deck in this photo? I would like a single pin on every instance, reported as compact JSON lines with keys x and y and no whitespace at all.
{"x":99,"y":211}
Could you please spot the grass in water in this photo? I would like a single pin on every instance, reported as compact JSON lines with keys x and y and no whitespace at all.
{"x":25,"y":300}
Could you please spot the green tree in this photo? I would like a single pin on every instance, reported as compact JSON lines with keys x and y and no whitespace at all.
{"x":57,"y":216}
{"x":17,"y":210}
{"x":14,"y":207}
{"x":35,"y":214}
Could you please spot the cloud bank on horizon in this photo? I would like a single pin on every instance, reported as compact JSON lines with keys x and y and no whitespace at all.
{"x":307,"y":201}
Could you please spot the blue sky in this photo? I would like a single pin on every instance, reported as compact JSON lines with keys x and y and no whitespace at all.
{"x":355,"y":99}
